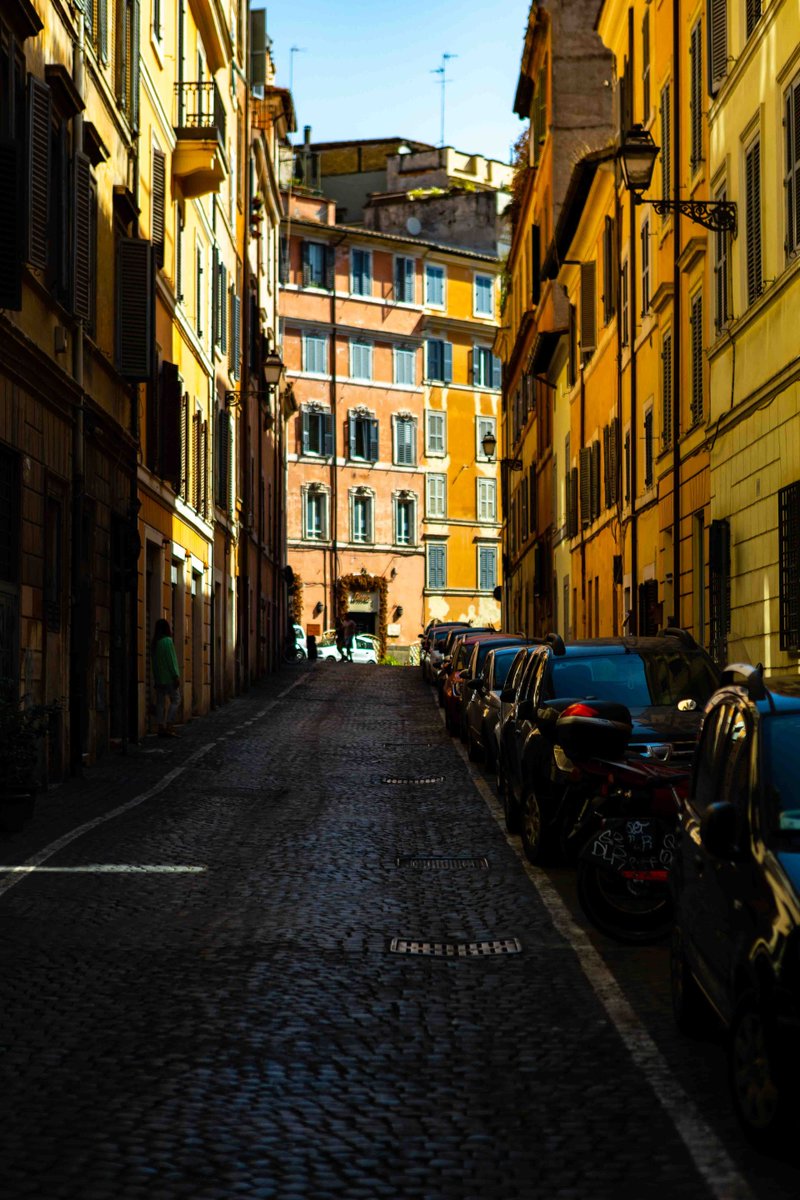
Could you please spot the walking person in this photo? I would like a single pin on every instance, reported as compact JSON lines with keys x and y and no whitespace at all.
{"x":349,"y":638}
{"x":166,"y":677}
{"x":340,"y":639}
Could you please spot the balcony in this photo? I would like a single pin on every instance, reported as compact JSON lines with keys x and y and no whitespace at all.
{"x":199,"y":160}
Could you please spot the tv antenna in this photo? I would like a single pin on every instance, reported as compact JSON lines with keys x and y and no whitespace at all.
{"x":442,"y":71}
{"x":292,"y":51}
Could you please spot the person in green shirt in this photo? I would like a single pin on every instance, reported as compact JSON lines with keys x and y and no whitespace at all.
{"x":166,"y":678}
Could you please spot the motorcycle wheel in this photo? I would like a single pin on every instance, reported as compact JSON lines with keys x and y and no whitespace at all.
{"x":622,"y":909}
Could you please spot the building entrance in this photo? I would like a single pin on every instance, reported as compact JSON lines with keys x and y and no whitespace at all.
{"x":365,"y":622}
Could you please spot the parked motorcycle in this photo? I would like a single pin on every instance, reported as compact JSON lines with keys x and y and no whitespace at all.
{"x":619,"y":816}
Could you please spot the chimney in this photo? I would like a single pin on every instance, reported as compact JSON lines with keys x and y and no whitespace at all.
{"x":307,"y":135}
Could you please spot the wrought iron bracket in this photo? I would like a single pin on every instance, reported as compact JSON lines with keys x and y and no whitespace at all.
{"x":716,"y":215}
{"x":235,"y":399}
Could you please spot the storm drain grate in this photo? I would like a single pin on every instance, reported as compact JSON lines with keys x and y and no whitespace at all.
{"x":443,"y":864}
{"x":412,"y":780}
{"x":492,"y":949}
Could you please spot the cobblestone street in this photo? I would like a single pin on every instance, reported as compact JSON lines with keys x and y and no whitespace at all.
{"x":201,"y":999}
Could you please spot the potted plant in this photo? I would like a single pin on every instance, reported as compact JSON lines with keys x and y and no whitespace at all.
{"x":22,"y":726}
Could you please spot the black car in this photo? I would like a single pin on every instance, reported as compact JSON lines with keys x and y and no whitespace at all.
{"x":735,"y":882}
{"x":664,"y":682}
{"x":432,"y":644}
{"x":477,"y":685}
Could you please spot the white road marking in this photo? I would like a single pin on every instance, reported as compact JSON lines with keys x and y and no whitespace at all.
{"x":112,"y":869}
{"x":36,"y":860}
{"x":719,"y":1172}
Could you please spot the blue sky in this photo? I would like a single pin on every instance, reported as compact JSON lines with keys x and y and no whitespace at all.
{"x":365,"y":70}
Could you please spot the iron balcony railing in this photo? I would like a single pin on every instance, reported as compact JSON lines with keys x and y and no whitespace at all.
{"x":200,"y":107}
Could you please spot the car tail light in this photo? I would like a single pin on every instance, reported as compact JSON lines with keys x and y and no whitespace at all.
{"x":580,"y":710}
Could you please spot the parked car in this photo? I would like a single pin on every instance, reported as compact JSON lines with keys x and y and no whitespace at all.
{"x":664,"y":681}
{"x":433,"y":642}
{"x":482,"y":711}
{"x":448,"y":651}
{"x":365,"y":649}
{"x":506,"y":709}
{"x":474,"y":670}
{"x":736,"y":892}
{"x":470,"y":651}
{"x":300,"y":639}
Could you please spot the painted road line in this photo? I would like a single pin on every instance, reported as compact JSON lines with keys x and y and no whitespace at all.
{"x":714,"y":1164}
{"x":36,"y":860}
{"x":111,"y":869}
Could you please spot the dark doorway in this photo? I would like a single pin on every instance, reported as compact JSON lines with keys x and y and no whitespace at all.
{"x":365,"y":622}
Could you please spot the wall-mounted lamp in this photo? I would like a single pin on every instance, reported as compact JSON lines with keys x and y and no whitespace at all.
{"x":274,"y":371}
{"x":637,"y":159}
{"x":318,"y":607}
{"x":393,"y":573}
{"x":398,"y":611}
{"x":489,"y":445}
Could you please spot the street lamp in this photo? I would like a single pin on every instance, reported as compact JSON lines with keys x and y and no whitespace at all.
{"x":637,"y":157}
{"x":489,"y":445}
{"x":274,"y":371}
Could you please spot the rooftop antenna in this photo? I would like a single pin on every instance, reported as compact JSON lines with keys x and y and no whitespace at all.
{"x":294,"y":50}
{"x":442,"y":71}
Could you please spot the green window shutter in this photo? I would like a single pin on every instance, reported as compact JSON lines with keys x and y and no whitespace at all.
{"x":614,"y":459}
{"x":588,"y":308}
{"x":666,"y":143}
{"x":171,"y":449}
{"x":594,"y":475}
{"x":135,"y":18}
{"x":753,"y":221}
{"x":81,"y":240}
{"x":215,"y":298}
{"x":697,"y":358}
{"x":717,"y":25}
{"x":135,"y":308}
{"x":666,"y":390}
{"x":373,"y":440}
{"x":234,"y":353}
{"x":39,"y":198}
{"x":258,"y":47}
{"x":696,"y":95}
{"x":11,"y":225}
{"x":447,"y":366}
{"x":184,"y":437}
{"x":586,"y":485}
{"x":327,"y":433}
{"x":497,"y":373}
{"x":159,"y":195}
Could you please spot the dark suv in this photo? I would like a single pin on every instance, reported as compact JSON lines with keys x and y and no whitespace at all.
{"x":735,"y":881}
{"x":664,"y":682}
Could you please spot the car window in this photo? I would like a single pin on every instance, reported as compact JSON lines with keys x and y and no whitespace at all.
{"x":780,"y":765}
{"x":637,"y":680}
{"x":364,"y":643}
{"x":708,"y":762}
{"x":503,"y":661}
{"x":517,"y":667}
{"x":525,"y":689}
{"x":735,"y":779}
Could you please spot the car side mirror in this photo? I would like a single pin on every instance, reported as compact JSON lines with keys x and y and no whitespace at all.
{"x":507,"y":695}
{"x":475,"y":682}
{"x":525,"y":710}
{"x":546,"y":719}
{"x":718,"y":831}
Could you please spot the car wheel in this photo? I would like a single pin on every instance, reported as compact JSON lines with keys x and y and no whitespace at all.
{"x":764,"y":1102}
{"x":536,"y":836}
{"x":689,"y":1006}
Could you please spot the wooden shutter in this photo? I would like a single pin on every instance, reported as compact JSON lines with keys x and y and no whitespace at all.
{"x":135,"y":18}
{"x":719,"y":589}
{"x":717,"y":24}
{"x":135,"y":308}
{"x":352,"y":429}
{"x":223,"y":458}
{"x":283,"y":261}
{"x":613,"y":456}
{"x":196,"y":468}
{"x":497,"y":373}
{"x":223,"y":308}
{"x":11,"y":226}
{"x":215,"y":297}
{"x":696,"y":95}
{"x":158,"y":205}
{"x":753,"y":9}
{"x":666,"y":144}
{"x":648,"y":608}
{"x":607,"y":465}
{"x":185,"y":445}
{"x":646,"y":67}
{"x":595,"y":480}
{"x":648,"y":448}
{"x":258,"y":47}
{"x":409,"y":283}
{"x":536,"y":264}
{"x":753,"y":220}
{"x":102,"y":29}
{"x":234,"y":356}
{"x":82,"y":238}
{"x":373,"y":439}
{"x":697,"y":358}
{"x":588,"y":308}
{"x":327,"y":433}
{"x":609,"y":268}
{"x":586,"y":485}
{"x":330,"y":267}
{"x":305,"y":430}
{"x":447,"y":362}
{"x":306,"y":264}
{"x":572,"y":339}
{"x":171,"y":449}
{"x":38,"y":170}
{"x":666,"y":390}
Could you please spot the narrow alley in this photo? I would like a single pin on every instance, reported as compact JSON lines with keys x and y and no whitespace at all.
{"x":211,"y":990}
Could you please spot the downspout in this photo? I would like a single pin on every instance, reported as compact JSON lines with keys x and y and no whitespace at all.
{"x":583,"y":533}
{"x":262,"y":498}
{"x":634,"y":622}
{"x":79,"y":589}
{"x":334,"y":551}
{"x":131,"y":686}
{"x":244,"y":409}
{"x":677,"y":320}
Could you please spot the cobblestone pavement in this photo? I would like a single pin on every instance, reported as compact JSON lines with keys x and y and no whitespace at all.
{"x":200,"y":999}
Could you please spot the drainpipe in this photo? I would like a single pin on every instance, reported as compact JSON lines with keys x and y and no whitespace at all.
{"x":79,"y":589}
{"x":244,"y":409}
{"x":677,"y":319}
{"x":634,"y":622}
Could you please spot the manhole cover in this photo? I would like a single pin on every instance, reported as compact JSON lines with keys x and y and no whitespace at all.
{"x":443,"y":864}
{"x":456,"y":949}
{"x":412,"y":780}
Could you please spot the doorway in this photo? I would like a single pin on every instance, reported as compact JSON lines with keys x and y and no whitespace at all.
{"x":364,"y":622}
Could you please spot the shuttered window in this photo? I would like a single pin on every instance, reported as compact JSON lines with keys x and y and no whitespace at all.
{"x":222,"y":459}
{"x":752,"y":171}
{"x":158,"y":203}
{"x":436,"y":558}
{"x":721,"y":280}
{"x":83,"y":273}
{"x":434,"y":285}
{"x":789,"y":566}
{"x":39,"y":107}
{"x":363,"y":437}
{"x":791,"y":121}
{"x":405,"y":441}
{"x":436,"y":496}
{"x":536,"y":265}
{"x":316,"y":431}
{"x":666,"y":390}
{"x":613,"y":459}
{"x":719,"y":589}
{"x":648,"y":448}
{"x":717,"y":44}
{"x":405,"y":365}
{"x":594,"y":480}
{"x":586,"y":485}
{"x":404,"y":280}
{"x":572,"y":502}
{"x":752,"y":10}
{"x":609,"y":269}
{"x":11,"y":226}
{"x":645,"y":267}
{"x":185,"y":447}
{"x":487,"y":568}
{"x":439,"y":360}
{"x":126,"y":62}
{"x":360,"y":360}
{"x":435,"y":433}
{"x":696,"y":349}
{"x":588,"y":308}
{"x":696,"y":96}
{"x":607,"y":465}
{"x":197,"y":469}
{"x":360,"y":272}
{"x":624,"y":306}
{"x":171,"y":453}
{"x":315,"y":353}
{"x":235,"y":349}
{"x":666,"y":144}
{"x":487,"y":500}
{"x":135,"y":308}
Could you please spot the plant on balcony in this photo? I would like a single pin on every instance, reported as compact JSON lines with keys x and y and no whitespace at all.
{"x":22,"y":726}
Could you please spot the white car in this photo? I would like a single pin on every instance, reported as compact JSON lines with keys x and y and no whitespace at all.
{"x":365,"y":650}
{"x":300,"y":639}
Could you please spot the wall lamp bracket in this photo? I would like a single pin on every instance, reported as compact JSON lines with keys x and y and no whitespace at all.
{"x":637,"y":158}
{"x":717,"y":215}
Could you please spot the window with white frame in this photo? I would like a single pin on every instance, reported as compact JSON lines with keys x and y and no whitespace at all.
{"x":315,"y":514}
{"x":363,"y":436}
{"x":487,"y":568}
{"x":405,"y":365}
{"x":436,"y":565}
{"x":486,"y":369}
{"x":484,"y":425}
{"x":314,"y":264}
{"x":791,"y":180}
{"x":361,"y":360}
{"x":360,"y":272}
{"x":483,"y":301}
{"x":404,"y":270}
{"x":405,"y":441}
{"x":436,"y":496}
{"x":435,"y":433}
{"x":315,"y":353}
{"x":434,"y":285}
{"x":316,"y":427}
{"x":362,"y":508}
{"x":405,"y":519}
{"x":487,"y":500}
